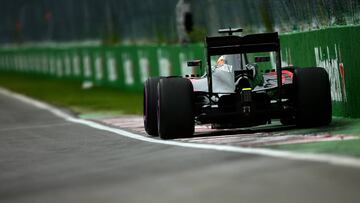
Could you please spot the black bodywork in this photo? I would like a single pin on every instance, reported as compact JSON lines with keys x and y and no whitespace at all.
{"x":246,"y":107}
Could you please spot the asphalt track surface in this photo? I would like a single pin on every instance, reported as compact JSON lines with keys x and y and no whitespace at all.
{"x":44,"y":158}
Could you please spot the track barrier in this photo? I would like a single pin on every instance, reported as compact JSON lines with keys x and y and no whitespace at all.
{"x":127,"y":66}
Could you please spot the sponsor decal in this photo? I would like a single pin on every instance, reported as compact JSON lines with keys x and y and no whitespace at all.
{"x":87,"y":66}
{"x":59,"y":67}
{"x":16,"y":63}
{"x":111,"y":67}
{"x":128,"y":69}
{"x":40,"y":64}
{"x":8,"y":63}
{"x":185,"y":70}
{"x":335,"y":68}
{"x":76,"y":65}
{"x":44,"y":61}
{"x":98,"y":67}
{"x":67,"y":62}
{"x":33,"y":63}
{"x":286,"y":59}
{"x":144,"y":66}
{"x":329,"y":58}
{"x":52,"y":65}
{"x":164,"y":63}
{"x":23,"y":63}
{"x":342,"y":74}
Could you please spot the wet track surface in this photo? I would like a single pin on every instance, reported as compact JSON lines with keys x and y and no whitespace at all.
{"x":46,"y":159}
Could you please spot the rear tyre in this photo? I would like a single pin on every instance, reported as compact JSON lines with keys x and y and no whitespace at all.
{"x":150,"y":105}
{"x":312,"y":97}
{"x":175,"y":108}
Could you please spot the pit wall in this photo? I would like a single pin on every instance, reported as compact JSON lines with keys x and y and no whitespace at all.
{"x":127,"y":66}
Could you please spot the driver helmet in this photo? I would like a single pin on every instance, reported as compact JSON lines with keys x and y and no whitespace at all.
{"x":221,"y":60}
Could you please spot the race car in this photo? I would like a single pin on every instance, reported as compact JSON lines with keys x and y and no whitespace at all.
{"x":234,"y":93}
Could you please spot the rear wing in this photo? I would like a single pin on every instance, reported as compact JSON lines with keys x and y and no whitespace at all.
{"x":226,"y":45}
{"x":223,"y":45}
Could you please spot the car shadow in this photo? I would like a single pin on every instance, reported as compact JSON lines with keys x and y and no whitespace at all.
{"x":240,"y":131}
{"x":338,"y":125}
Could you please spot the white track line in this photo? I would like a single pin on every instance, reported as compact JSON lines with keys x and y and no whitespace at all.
{"x":325,"y":158}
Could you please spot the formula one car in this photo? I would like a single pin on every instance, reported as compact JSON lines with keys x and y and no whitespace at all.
{"x":234,"y":93}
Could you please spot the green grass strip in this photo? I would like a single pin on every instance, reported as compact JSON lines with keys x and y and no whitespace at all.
{"x":339,"y":126}
{"x":69,"y":94}
{"x":344,"y":147}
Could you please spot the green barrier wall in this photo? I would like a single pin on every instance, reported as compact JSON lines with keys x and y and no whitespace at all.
{"x":337,"y":50}
{"x":127,"y":66}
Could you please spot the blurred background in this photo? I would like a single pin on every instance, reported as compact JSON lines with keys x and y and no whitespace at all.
{"x":112,"y":46}
{"x":157,"y":21}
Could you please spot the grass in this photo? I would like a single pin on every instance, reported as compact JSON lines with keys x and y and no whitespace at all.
{"x":344,"y":147}
{"x":339,"y":126}
{"x":70,"y":94}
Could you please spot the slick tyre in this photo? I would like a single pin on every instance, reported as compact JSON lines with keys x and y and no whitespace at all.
{"x":312,"y":97}
{"x":175,"y":108}
{"x":150,"y":106}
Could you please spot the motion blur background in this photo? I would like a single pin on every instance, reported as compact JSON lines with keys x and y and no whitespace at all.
{"x":139,"y":21}
{"x":120,"y":43}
